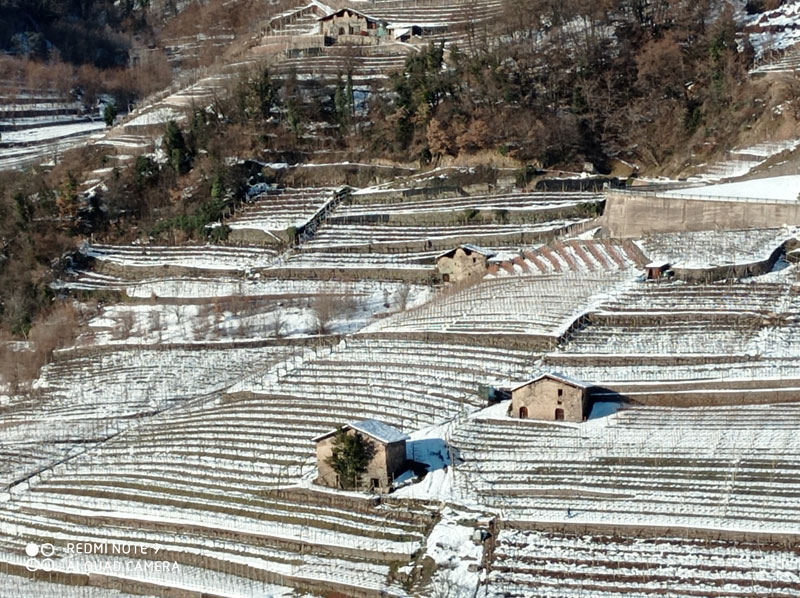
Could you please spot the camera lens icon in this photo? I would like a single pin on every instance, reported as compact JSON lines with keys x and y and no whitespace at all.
{"x":34,"y":550}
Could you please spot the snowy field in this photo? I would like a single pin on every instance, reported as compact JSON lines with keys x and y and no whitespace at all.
{"x":523,"y":305}
{"x":740,"y":161}
{"x":156,"y":116}
{"x":99,"y":392}
{"x":278,"y":210}
{"x":705,"y":249}
{"x":715,"y":468}
{"x":201,"y":257}
{"x":782,"y":189}
{"x":612,"y":566}
{"x":538,"y":201}
{"x":278,"y":310}
{"x":332,"y":236}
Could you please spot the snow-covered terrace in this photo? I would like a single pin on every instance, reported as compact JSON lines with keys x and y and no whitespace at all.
{"x":545,"y":305}
{"x":568,"y":564}
{"x":716,"y":468}
{"x":705,"y":249}
{"x":206,"y":257}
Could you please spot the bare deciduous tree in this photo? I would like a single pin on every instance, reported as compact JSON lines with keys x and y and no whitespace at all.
{"x":330,"y":306}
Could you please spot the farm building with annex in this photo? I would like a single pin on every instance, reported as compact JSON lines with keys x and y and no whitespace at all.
{"x":350,"y":26}
{"x":388,"y":449}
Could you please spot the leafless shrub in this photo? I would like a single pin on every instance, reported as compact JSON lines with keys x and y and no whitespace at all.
{"x":328,"y":307}
{"x":278,"y":323}
{"x":402,"y":296}
{"x":446,"y":584}
{"x":201,"y":325}
{"x":124,"y":326}
{"x":20,"y":365}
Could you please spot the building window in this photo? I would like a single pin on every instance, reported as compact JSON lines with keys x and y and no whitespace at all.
{"x":523,"y":412}
{"x":560,"y":392}
{"x":445,"y":278}
{"x":341,"y":30}
{"x":559,"y":415}
{"x":376,"y":483}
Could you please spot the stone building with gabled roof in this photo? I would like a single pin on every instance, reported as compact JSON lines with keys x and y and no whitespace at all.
{"x":351,"y":26}
{"x":388,"y":447}
{"x":464,"y":262}
{"x":552,"y":396}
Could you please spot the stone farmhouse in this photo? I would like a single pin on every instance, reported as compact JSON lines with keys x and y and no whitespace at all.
{"x":552,"y":397}
{"x":388,"y":460}
{"x":350,"y":26}
{"x":463,"y":263}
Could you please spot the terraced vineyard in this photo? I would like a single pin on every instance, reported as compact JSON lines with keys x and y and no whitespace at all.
{"x":95,"y":393}
{"x":182,"y":419}
{"x":713,"y":248}
{"x":269,"y":214}
{"x":605,"y":566}
{"x":219,"y":464}
{"x":570,"y":256}
{"x":363,"y":206}
{"x":359,"y":66}
{"x":539,"y":307}
{"x":39,"y":124}
{"x":293,"y":539}
{"x":147,"y":258}
{"x":406,"y":383}
{"x":718,"y":468}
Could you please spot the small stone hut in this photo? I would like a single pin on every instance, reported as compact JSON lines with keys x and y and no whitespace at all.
{"x":350,"y":26}
{"x":463,"y":263}
{"x":552,"y":397}
{"x":656,"y":270}
{"x":388,"y":460}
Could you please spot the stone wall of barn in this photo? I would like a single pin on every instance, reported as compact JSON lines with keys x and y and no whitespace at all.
{"x":542,"y":398}
{"x":462,"y":266}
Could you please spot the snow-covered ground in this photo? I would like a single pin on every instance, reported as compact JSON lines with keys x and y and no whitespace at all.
{"x":562,"y":565}
{"x":156,"y":117}
{"x":267,"y":309}
{"x":716,"y":468}
{"x":782,"y":188}
{"x":515,"y":305}
{"x":773,"y":30}
{"x":704,"y":249}
{"x":741,"y":161}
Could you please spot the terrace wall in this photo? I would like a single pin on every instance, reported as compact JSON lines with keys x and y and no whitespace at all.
{"x":633,"y":215}
{"x":639,"y":531}
{"x":456,"y":216}
{"x":732,"y":271}
{"x":705,"y":394}
{"x":130,"y":272}
{"x":533,"y":342}
{"x":422,"y":275}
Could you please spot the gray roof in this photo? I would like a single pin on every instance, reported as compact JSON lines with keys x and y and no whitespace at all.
{"x":372,"y":427}
{"x":471,"y":248}
{"x":354,"y":11}
{"x":556,"y":376}
{"x":658,"y":264}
